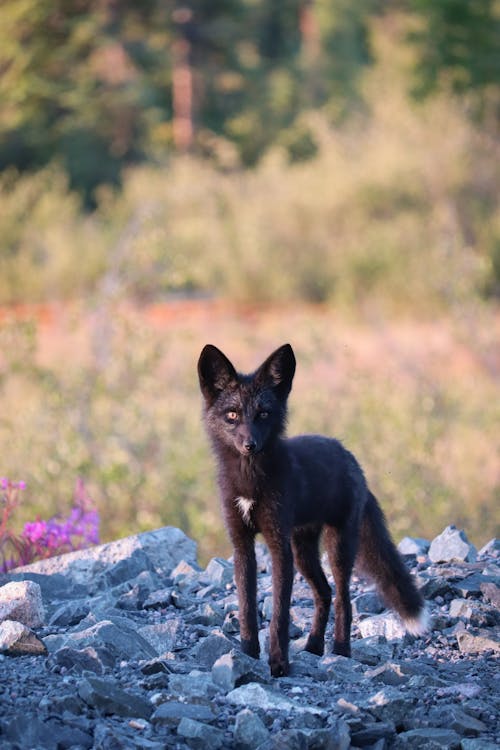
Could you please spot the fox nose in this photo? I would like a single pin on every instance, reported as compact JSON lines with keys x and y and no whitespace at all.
{"x":250,"y":445}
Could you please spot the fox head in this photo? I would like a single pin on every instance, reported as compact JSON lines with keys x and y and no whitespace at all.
{"x":245,"y":412}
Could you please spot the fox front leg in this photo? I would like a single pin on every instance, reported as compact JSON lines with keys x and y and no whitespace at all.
{"x":245,"y":571}
{"x":282,"y":562}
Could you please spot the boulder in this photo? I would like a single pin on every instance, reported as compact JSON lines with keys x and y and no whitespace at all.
{"x":452,"y":545}
{"x":22,"y":601}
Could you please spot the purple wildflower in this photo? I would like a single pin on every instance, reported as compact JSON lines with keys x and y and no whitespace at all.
{"x":42,"y":539}
{"x":35,"y":531}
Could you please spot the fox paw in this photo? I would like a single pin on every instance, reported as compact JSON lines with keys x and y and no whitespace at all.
{"x":315,"y":645}
{"x":341,"y":648}
{"x":279,"y":667}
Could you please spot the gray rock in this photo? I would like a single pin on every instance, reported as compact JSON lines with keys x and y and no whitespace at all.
{"x":157,"y":666}
{"x":267,"y":608}
{"x":179,"y":600}
{"x":70,"y":613}
{"x":108,"y":697}
{"x":372,"y":732}
{"x":111,"y":642}
{"x":137,"y":591}
{"x":426,"y":688}
{"x":193,"y":685}
{"x":186,"y":573}
{"x":164,"y":548}
{"x":428,"y":738}
{"x":159,"y":599}
{"x":371,"y":650}
{"x":286,"y":739}
{"x":200,"y":736}
{"x":459,"y":720}
{"x":461,"y":608}
{"x":474,"y":642}
{"x":452,"y":545}
{"x":305,"y":664}
{"x":367,"y":603}
{"x":478,"y":744}
{"x":249,"y":730}
{"x":209,"y":649}
{"x":300,"y":620}
{"x":22,"y":601}
{"x":80,"y":660}
{"x":163,"y":636}
{"x":335,"y":737}
{"x":258,"y":696}
{"x":390,"y":704}
{"x":490,"y":549}
{"x":470,"y":586}
{"x":207,"y":614}
{"x":28,"y":731}
{"x":231,"y":624}
{"x":172,"y":712}
{"x":413,"y":546}
{"x":491,"y":592}
{"x":431,"y":586}
{"x":125,"y":570}
{"x":218,"y":572}
{"x":18,"y":640}
{"x":107,"y":736}
{"x":389,"y":674}
{"x":340,"y":668}
{"x":387,"y":624}
{"x":54,"y":586}
{"x":234,"y":669}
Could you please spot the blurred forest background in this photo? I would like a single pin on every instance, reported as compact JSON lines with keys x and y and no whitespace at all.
{"x":249,"y":172}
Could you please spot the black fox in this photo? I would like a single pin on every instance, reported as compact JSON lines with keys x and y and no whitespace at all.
{"x":292,"y":490}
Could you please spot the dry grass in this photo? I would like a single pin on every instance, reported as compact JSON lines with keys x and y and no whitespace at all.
{"x":112,"y":394}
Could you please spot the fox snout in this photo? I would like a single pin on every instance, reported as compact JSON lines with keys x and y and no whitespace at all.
{"x":247,"y":444}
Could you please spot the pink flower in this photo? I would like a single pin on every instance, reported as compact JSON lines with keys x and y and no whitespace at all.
{"x":41,"y":539}
{"x":35,"y":530}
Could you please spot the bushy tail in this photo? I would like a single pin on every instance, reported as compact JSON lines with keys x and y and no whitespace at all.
{"x":379,"y":559}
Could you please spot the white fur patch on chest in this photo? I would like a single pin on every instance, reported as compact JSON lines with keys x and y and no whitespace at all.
{"x":245,"y":506}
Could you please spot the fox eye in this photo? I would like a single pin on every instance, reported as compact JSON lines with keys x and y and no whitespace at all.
{"x":263,"y":414}
{"x":231,"y":416}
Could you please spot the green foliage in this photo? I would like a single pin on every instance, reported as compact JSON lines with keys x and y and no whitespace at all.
{"x":48,"y":247}
{"x":76,"y":79}
{"x":458,"y":48}
{"x":91,"y":84}
{"x":400,"y":215}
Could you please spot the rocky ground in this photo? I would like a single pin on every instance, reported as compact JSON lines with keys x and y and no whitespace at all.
{"x":132,"y":645}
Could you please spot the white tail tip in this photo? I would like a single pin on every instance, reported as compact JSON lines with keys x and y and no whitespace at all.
{"x":419,"y":625}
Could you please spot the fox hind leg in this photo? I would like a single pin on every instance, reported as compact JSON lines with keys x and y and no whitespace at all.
{"x":305,"y":544}
{"x":341,"y":548}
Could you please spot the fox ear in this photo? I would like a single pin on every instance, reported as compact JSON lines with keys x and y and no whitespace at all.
{"x":215,"y":372}
{"x":278,"y":370}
